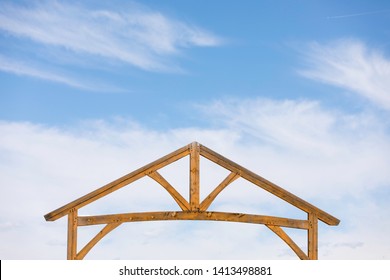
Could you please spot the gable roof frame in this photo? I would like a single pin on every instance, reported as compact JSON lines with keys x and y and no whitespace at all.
{"x":193,"y":209}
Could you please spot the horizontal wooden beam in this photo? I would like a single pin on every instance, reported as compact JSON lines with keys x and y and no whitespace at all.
{"x":268,"y":186}
{"x":117,"y":184}
{"x":192,"y":215}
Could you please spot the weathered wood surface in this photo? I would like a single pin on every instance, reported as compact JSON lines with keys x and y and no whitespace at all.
{"x":205,"y":216}
{"x":312,"y":237}
{"x":194,"y":176}
{"x":72,"y":234}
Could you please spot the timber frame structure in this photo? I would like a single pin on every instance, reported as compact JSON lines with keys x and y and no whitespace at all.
{"x":193,"y":209}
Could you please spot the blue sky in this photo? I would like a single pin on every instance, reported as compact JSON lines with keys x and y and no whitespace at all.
{"x":297,"y":91}
{"x":246,"y":50}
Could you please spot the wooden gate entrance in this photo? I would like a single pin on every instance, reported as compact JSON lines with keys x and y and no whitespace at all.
{"x":194,"y":209}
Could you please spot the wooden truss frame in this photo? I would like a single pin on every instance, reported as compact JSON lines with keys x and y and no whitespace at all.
{"x":193,"y":209}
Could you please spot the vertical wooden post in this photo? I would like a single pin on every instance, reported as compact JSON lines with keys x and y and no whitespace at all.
{"x":72,"y":234}
{"x":194,"y":176}
{"x":312,"y":236}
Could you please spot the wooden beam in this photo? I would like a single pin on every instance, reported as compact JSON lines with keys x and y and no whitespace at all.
{"x":72,"y":235}
{"x":106,"y":230}
{"x":312,"y":237}
{"x":194,"y":176}
{"x":117,"y":184}
{"x":210,"y":198}
{"x":194,"y":215}
{"x":283,"y":235}
{"x":268,"y":186}
{"x":183,"y":204}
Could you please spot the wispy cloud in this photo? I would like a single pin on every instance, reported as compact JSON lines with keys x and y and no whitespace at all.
{"x":135,"y":36}
{"x":352,"y":65}
{"x":55,"y":35}
{"x":24,"y":69}
{"x":359,"y":14}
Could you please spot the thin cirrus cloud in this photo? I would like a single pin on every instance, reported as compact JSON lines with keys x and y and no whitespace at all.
{"x":361,"y":14}
{"x":135,"y":36}
{"x":351,"y":65}
{"x":38,"y":71}
{"x":21,"y":68}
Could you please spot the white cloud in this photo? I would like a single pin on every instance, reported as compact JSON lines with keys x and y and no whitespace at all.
{"x":24,"y":69}
{"x":362,"y":14}
{"x":350,"y":64}
{"x":314,"y":142}
{"x":145,"y":39}
{"x":336,"y":161}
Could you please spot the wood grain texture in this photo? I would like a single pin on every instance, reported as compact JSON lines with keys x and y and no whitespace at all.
{"x":194,"y":176}
{"x":193,"y":215}
{"x":72,"y":234}
{"x":312,"y":236}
